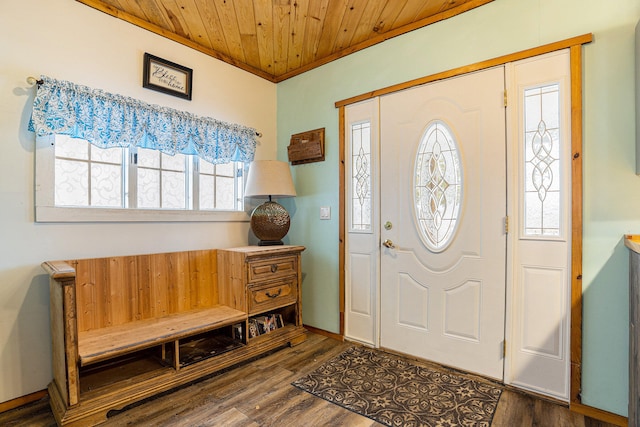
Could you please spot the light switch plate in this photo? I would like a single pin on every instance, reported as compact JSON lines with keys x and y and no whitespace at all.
{"x":325,"y":212}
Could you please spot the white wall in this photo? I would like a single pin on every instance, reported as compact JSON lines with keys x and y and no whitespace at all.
{"x":67,"y":40}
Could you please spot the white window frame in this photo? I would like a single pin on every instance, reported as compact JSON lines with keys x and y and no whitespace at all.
{"x":47,"y":211}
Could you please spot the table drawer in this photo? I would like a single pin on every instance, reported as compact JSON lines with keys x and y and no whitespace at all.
{"x":272,"y":268}
{"x":272,"y":295}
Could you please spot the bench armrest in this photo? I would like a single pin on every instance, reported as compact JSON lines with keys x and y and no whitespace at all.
{"x":59,"y":270}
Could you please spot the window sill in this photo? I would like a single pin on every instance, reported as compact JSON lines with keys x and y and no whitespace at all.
{"x":71,"y":214}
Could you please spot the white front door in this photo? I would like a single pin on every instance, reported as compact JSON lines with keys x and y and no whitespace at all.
{"x":443,"y":207}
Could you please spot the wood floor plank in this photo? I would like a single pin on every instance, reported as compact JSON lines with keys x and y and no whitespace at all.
{"x":259,"y":393}
{"x":555,"y":415}
{"x":232,"y":418}
{"x":514,"y":409}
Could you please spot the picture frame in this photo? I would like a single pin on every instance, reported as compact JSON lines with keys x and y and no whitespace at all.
{"x":237,"y":332}
{"x":253,"y":329}
{"x":279,"y":320}
{"x":263,"y":325}
{"x":166,"y":76}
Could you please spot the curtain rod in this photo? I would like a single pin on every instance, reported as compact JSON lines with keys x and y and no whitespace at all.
{"x":33,"y":81}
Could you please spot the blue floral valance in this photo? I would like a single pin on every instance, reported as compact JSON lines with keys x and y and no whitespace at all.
{"x":109,"y":120}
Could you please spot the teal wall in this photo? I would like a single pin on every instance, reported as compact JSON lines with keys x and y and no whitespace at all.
{"x":611,"y":188}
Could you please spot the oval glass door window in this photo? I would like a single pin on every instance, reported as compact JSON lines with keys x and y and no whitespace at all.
{"x":437,"y":186}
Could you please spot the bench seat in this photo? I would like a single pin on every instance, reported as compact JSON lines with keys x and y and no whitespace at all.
{"x":113,"y":341}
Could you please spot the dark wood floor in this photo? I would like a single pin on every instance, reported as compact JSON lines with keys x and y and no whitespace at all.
{"x":259,"y":393}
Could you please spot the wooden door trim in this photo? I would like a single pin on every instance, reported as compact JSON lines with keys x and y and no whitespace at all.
{"x":576,"y":224}
{"x":342,"y":215}
{"x":574,"y":45}
{"x":501,"y":60}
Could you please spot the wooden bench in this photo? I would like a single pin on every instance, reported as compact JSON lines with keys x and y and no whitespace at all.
{"x":126,"y":328}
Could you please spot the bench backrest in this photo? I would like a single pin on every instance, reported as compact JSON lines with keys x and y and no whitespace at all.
{"x":118,"y":290}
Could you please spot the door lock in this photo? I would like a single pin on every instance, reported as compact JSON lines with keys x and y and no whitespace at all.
{"x":388,"y":244}
{"x":388,"y":225}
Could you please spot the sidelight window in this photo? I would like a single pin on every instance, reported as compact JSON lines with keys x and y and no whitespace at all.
{"x":361,"y":201}
{"x":542,"y":195}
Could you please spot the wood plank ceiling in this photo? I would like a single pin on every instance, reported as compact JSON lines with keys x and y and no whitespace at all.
{"x":279,"y":39}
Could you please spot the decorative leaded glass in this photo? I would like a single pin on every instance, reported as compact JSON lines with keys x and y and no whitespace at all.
{"x":361,"y":177}
{"x":542,"y":194}
{"x":437,"y":186}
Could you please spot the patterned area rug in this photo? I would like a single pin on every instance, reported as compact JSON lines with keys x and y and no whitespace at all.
{"x":395,"y":392}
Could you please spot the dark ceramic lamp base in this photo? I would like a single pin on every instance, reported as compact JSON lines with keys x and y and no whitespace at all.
{"x":270,"y":223}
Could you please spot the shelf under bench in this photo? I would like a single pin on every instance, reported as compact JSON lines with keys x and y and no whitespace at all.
{"x":106,"y":343}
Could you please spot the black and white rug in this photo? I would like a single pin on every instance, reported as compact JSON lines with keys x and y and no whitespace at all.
{"x":396,"y":392}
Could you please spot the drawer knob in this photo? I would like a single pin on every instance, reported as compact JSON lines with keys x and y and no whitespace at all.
{"x":276,"y":295}
{"x":274,"y":268}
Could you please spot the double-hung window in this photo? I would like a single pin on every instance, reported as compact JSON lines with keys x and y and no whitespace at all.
{"x":134,"y":162}
{"x":125,"y":183}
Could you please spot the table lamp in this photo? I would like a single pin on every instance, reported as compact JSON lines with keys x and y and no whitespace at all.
{"x":269,"y":178}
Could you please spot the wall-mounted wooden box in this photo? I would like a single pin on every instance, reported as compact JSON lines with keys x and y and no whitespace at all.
{"x":306,"y":147}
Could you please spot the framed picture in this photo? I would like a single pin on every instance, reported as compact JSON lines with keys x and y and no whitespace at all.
{"x":263,"y":325}
{"x":279,"y":321}
{"x":254,"y":331}
{"x":166,"y":76}
{"x":237,"y":332}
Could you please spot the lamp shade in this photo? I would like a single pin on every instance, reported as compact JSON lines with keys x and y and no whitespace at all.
{"x":269,"y":178}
